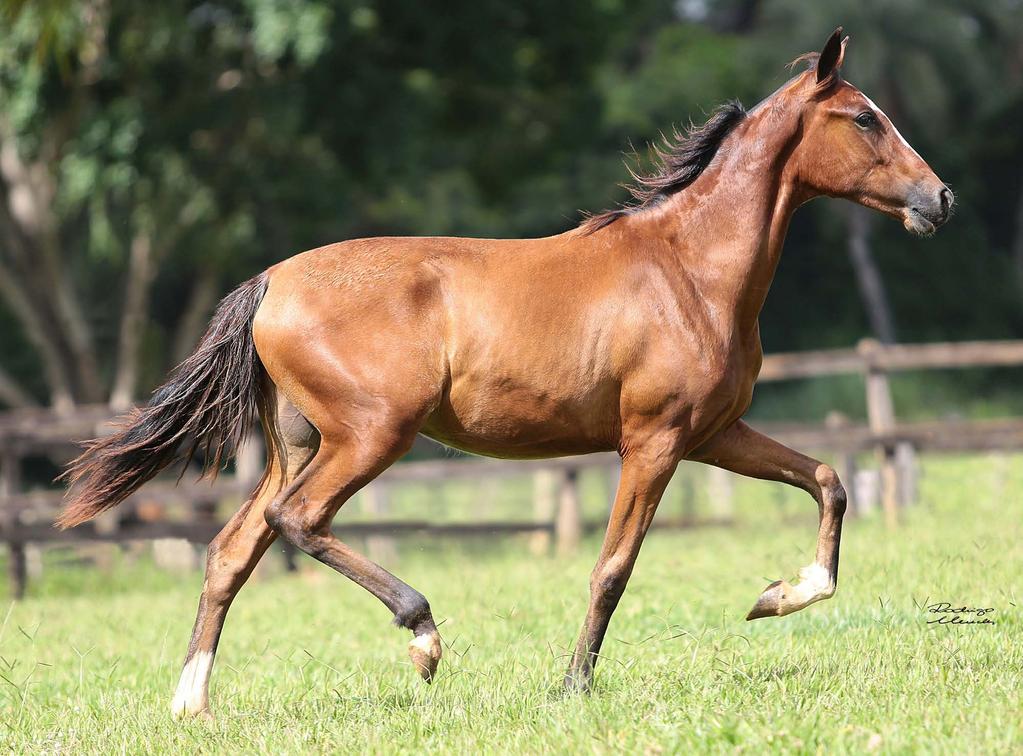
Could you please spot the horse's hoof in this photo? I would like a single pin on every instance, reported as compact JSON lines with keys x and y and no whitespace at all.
{"x":184,"y":713}
{"x":770,"y":602}
{"x":578,"y":683}
{"x":425,"y":652}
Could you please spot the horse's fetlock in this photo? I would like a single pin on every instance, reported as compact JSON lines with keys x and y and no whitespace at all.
{"x":413,"y":610}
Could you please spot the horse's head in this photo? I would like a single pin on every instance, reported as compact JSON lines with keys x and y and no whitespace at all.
{"x":850,"y":149}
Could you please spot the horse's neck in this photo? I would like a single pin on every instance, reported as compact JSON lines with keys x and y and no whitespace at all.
{"x":732,"y":221}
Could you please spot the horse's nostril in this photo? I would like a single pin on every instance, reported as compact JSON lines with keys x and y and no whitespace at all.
{"x":947,"y":198}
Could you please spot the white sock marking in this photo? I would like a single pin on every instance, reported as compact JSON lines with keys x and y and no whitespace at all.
{"x":429,"y":643}
{"x":814,"y":584}
{"x":192,"y":695}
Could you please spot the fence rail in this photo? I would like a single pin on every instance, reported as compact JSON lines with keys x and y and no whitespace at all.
{"x":890,"y":358}
{"x":25,"y":516}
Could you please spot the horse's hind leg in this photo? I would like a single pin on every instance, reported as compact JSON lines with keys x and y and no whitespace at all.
{"x":743,"y":450}
{"x":303,"y":515}
{"x":231,"y":557}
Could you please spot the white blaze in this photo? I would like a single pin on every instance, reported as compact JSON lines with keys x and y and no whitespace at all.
{"x":894,"y":129}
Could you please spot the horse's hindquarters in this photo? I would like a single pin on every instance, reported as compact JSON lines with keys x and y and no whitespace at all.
{"x":353,"y":347}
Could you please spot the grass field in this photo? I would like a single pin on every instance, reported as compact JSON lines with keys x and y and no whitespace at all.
{"x":308,"y":663}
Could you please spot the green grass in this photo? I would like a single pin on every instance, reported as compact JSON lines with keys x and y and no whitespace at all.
{"x":308,"y":663}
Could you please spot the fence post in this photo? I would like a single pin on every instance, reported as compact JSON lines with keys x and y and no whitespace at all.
{"x":614,"y":479}
{"x":376,"y":500}
{"x":881,"y":418}
{"x":719,"y":493}
{"x":867,"y":485}
{"x":545,"y":484}
{"x":290,"y":556}
{"x":249,"y":462}
{"x":687,"y":491}
{"x":908,"y":472}
{"x":845,"y":462}
{"x":568,"y":525}
{"x":175,"y":555}
{"x":10,"y":482}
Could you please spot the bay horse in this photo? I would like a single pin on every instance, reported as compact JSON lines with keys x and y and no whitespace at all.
{"x":637,"y":332}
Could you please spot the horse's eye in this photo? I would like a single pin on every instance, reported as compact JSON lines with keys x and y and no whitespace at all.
{"x":866,"y":120}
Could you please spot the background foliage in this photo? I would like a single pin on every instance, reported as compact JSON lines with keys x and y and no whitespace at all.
{"x":153,"y":155}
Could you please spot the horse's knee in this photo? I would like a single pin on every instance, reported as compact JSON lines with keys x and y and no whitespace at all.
{"x":833,"y":495}
{"x":274,"y":516}
{"x":292,"y":525}
{"x":607,"y":584}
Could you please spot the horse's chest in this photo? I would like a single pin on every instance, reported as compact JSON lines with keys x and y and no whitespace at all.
{"x":721,"y":383}
{"x":711,"y":388}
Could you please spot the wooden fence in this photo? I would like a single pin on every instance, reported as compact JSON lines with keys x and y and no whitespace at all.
{"x":25,"y":515}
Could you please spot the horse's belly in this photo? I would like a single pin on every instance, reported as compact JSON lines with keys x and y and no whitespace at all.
{"x":508,"y":419}
{"x":513,"y":446}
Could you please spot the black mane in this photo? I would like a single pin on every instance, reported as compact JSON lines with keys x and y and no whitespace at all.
{"x":681,"y":159}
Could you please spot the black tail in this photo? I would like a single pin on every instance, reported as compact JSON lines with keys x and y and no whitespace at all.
{"x":210,"y":400}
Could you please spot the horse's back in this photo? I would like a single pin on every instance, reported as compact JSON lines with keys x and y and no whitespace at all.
{"x":504,"y":347}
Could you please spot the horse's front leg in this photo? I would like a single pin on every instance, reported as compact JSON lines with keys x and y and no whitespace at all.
{"x":646,"y":471}
{"x":743,"y":450}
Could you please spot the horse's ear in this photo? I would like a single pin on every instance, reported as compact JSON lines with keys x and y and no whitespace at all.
{"x":831,"y":56}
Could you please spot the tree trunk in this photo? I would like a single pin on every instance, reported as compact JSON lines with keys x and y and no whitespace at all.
{"x":33,"y":245}
{"x":738,"y":17}
{"x":78,"y":334}
{"x":29,"y":191}
{"x":36,"y":329}
{"x":868,"y":276}
{"x":12,"y":394}
{"x":133,"y":321}
{"x":193,"y":319}
{"x":1017,"y":241}
{"x":35,"y":278}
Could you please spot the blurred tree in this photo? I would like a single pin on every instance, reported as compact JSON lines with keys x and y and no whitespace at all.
{"x":132,"y":133}
{"x":153,"y":154}
{"x":208,"y":135}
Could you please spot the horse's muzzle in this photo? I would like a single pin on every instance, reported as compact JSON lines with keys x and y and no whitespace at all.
{"x":928,"y":209}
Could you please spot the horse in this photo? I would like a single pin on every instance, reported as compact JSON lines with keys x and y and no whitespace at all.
{"x":635,"y":331}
